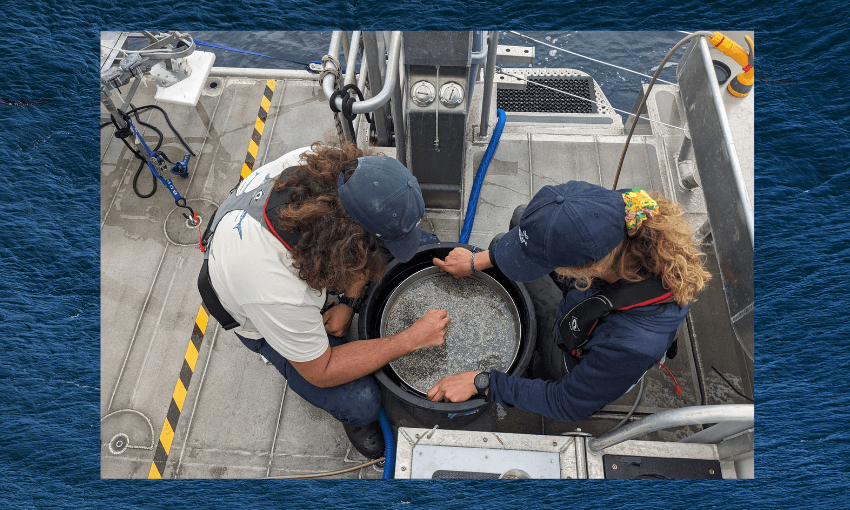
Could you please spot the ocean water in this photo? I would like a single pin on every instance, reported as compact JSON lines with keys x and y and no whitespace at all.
{"x":49,"y":254}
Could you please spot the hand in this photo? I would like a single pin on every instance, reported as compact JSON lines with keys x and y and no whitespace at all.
{"x":337,"y":319}
{"x":457,"y":263}
{"x":454,"y":388}
{"x":430,"y":329}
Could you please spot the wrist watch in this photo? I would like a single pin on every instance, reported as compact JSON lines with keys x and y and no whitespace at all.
{"x":482,"y":382}
{"x":354,"y":303}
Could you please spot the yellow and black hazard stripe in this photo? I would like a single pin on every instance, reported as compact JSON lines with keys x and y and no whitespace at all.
{"x":179,"y":397}
{"x":181,"y":388}
{"x":259,"y":124}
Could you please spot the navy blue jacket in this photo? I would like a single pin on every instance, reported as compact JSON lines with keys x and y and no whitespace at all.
{"x":623,"y":347}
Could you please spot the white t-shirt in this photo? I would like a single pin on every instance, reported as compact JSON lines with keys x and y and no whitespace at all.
{"x":252,"y":274}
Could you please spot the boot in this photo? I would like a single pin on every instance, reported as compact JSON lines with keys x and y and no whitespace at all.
{"x":368,"y":440}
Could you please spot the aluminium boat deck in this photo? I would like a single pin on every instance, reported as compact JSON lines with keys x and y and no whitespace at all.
{"x":182,"y":398}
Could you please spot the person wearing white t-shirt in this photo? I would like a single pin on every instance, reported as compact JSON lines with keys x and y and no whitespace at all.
{"x":344,"y":215}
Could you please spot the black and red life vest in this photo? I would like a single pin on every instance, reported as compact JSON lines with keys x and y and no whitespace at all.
{"x":577,"y":325}
{"x":261,"y":203}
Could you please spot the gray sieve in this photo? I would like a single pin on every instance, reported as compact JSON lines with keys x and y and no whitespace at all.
{"x":484,"y":333}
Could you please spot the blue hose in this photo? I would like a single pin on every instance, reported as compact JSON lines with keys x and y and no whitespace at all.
{"x":479,"y":178}
{"x":389,"y":446}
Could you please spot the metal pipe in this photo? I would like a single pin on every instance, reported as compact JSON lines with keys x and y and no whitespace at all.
{"x":698,"y":415}
{"x":346,"y":46}
{"x":361,"y":84}
{"x":381,"y":41}
{"x":333,"y":50}
{"x":389,"y":84}
{"x":277,"y":74}
{"x":374,"y":58}
{"x":581,"y":458}
{"x":489,"y":73}
{"x":351,"y":59}
{"x":397,"y":110}
{"x":478,"y":57}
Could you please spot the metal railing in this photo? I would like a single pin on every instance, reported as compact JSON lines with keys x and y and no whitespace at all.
{"x":390,"y":78}
{"x":732,"y":418}
{"x":489,"y":74}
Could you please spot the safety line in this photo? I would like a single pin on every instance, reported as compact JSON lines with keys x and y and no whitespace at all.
{"x":585,"y":56}
{"x":528,"y":81}
{"x":228,"y":48}
{"x":166,"y":437}
{"x":259,"y":124}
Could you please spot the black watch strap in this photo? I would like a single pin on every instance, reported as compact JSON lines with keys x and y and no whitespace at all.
{"x":354,"y":303}
{"x":482,"y":382}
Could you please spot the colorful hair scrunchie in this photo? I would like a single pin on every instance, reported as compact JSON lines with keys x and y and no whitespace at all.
{"x":639,"y":207}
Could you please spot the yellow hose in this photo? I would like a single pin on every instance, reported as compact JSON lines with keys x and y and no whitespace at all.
{"x":742,"y":84}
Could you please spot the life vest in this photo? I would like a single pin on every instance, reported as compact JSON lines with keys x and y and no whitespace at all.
{"x":261,"y":203}
{"x":577,"y":325}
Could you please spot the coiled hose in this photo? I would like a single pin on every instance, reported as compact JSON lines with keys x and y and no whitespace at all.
{"x":389,"y":446}
{"x":479,"y":178}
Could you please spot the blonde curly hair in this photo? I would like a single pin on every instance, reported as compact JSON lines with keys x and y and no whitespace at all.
{"x":663,"y":246}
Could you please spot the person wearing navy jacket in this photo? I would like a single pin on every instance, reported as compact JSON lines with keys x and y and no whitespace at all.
{"x":593,"y":237}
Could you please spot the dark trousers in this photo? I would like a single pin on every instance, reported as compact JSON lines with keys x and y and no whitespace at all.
{"x":356,"y":403}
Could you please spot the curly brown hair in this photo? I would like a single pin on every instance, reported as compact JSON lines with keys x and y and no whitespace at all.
{"x":663,"y":246}
{"x":334,"y":251}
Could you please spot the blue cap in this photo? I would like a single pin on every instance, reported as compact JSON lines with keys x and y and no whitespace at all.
{"x":565,"y":225}
{"x":384,"y":198}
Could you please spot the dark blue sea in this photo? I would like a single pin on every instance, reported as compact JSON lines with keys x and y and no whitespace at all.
{"x":50,"y":247}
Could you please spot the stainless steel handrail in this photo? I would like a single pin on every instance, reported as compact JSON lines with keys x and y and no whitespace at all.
{"x":489,"y":73}
{"x":744,"y":414}
{"x":390,"y":79}
{"x":478,"y":57}
{"x":351,"y":60}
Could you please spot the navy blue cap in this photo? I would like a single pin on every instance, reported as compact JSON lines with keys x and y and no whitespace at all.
{"x":565,"y":225}
{"x":384,"y":198}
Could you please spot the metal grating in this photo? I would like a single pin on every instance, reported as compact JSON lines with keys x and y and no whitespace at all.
{"x":544,"y":100}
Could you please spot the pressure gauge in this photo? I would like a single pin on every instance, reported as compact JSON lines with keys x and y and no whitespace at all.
{"x":451,"y":94}
{"x":423,"y":93}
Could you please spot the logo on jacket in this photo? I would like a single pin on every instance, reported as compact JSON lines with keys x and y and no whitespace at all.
{"x":523,"y":237}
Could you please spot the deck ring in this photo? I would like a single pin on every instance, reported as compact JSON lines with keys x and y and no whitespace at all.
{"x":722,"y":71}
{"x":180,"y":231}
{"x":190,"y":222}
{"x":119,"y":443}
